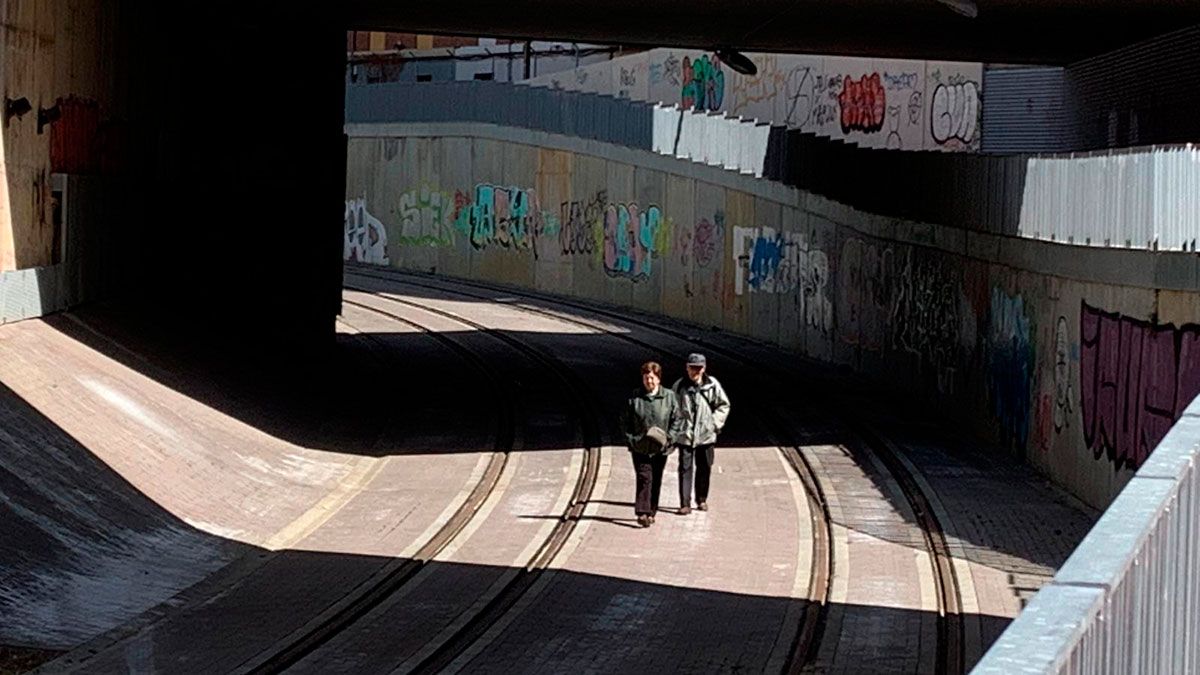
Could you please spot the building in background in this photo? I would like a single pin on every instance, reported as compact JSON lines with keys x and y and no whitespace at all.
{"x":407,"y":57}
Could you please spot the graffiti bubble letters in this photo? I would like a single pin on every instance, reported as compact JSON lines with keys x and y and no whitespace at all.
{"x":863,"y":104}
{"x":365,"y":239}
{"x":631,"y":237}
{"x":703,"y":84}
{"x":505,"y":216}
{"x":1135,"y":379}
{"x":955,"y":112}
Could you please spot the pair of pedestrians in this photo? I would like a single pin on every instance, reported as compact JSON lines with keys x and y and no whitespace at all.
{"x":688,"y":416}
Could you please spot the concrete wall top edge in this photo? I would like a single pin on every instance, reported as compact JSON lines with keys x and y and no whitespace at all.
{"x":1125,"y":267}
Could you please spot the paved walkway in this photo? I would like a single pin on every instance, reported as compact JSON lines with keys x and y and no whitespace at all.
{"x":182,"y":519}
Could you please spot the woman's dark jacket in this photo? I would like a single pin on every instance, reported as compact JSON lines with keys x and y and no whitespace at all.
{"x":645,"y":410}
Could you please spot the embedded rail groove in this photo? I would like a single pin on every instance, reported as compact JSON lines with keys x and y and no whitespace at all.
{"x":950,"y":655}
{"x":386,"y":582}
{"x":807,"y":639}
{"x":507,"y":597}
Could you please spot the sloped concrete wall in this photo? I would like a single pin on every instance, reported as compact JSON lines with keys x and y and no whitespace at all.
{"x":1077,"y":358}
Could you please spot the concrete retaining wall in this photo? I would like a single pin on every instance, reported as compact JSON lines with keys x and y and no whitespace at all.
{"x":1078,"y":358}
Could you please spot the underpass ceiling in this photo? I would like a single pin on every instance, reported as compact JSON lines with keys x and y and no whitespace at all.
{"x":1005,"y":31}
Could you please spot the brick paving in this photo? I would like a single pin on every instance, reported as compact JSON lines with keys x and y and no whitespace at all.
{"x":717,"y":591}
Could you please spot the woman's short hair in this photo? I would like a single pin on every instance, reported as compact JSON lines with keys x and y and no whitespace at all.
{"x":652,"y":367}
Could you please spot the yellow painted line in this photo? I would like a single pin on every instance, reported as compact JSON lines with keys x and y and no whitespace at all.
{"x":360,"y":476}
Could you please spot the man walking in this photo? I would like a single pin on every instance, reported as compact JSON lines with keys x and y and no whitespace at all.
{"x":705,"y":407}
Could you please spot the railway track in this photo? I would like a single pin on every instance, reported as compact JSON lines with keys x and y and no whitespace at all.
{"x":393,"y":577}
{"x":950,"y":655}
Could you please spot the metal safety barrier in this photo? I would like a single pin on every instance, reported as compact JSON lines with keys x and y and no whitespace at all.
{"x":1126,"y":600}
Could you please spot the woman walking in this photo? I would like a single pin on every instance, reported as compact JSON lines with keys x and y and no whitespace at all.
{"x":651,"y":422}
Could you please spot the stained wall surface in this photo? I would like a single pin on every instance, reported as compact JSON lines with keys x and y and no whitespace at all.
{"x":1078,"y":359}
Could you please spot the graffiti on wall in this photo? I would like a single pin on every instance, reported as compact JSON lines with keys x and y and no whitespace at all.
{"x":503,"y":216}
{"x":769,"y":261}
{"x":703,"y":83}
{"x":1135,"y":379}
{"x":954,"y":112}
{"x":866,"y":293}
{"x":1063,"y":391}
{"x":696,"y":248}
{"x":784,"y":93}
{"x":631,"y":240}
{"x":863,"y":103}
{"x":581,"y":229}
{"x":1010,"y":367}
{"x":426,"y":218}
{"x":364,"y":237}
{"x":1055,"y":405}
{"x":927,"y":317}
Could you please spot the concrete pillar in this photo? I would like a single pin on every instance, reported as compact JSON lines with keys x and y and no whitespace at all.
{"x":233,"y":224}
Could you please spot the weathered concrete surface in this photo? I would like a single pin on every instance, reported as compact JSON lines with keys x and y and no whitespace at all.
{"x":1015,"y":339}
{"x":127,"y":479}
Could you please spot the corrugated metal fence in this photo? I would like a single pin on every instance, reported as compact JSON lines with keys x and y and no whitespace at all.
{"x":1145,"y":198}
{"x":1149,"y":198}
{"x":1126,"y":599}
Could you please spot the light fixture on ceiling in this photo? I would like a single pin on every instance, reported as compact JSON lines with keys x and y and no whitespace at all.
{"x":967,"y":8}
{"x":737,"y":61}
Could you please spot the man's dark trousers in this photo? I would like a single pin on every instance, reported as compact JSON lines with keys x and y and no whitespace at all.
{"x":699,"y":458}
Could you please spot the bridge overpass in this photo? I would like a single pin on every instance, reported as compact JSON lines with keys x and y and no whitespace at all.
{"x":188,"y":496}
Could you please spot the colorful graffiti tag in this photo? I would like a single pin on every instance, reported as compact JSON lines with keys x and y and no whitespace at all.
{"x":509,"y":217}
{"x":1010,"y":367}
{"x":631,"y":239}
{"x":703,"y":83}
{"x":782,"y":262}
{"x":863,"y":103}
{"x":1135,"y":379}
{"x":426,"y":218}
{"x":365,"y":239}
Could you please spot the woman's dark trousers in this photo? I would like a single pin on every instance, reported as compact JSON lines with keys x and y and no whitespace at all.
{"x":649,"y":469}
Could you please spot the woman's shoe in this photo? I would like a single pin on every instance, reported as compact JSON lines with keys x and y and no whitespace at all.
{"x":644,"y":521}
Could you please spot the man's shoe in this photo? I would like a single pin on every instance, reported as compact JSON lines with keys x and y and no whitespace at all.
{"x":702,"y":506}
{"x":684,"y":510}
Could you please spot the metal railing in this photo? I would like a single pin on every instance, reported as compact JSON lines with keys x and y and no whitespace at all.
{"x":1126,"y":600}
{"x":1145,"y":198}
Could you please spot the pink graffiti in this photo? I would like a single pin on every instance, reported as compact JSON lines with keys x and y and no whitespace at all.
{"x":629,"y":236}
{"x":1135,"y":380}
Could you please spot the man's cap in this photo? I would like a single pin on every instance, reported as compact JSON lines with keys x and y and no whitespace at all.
{"x":696,"y":360}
